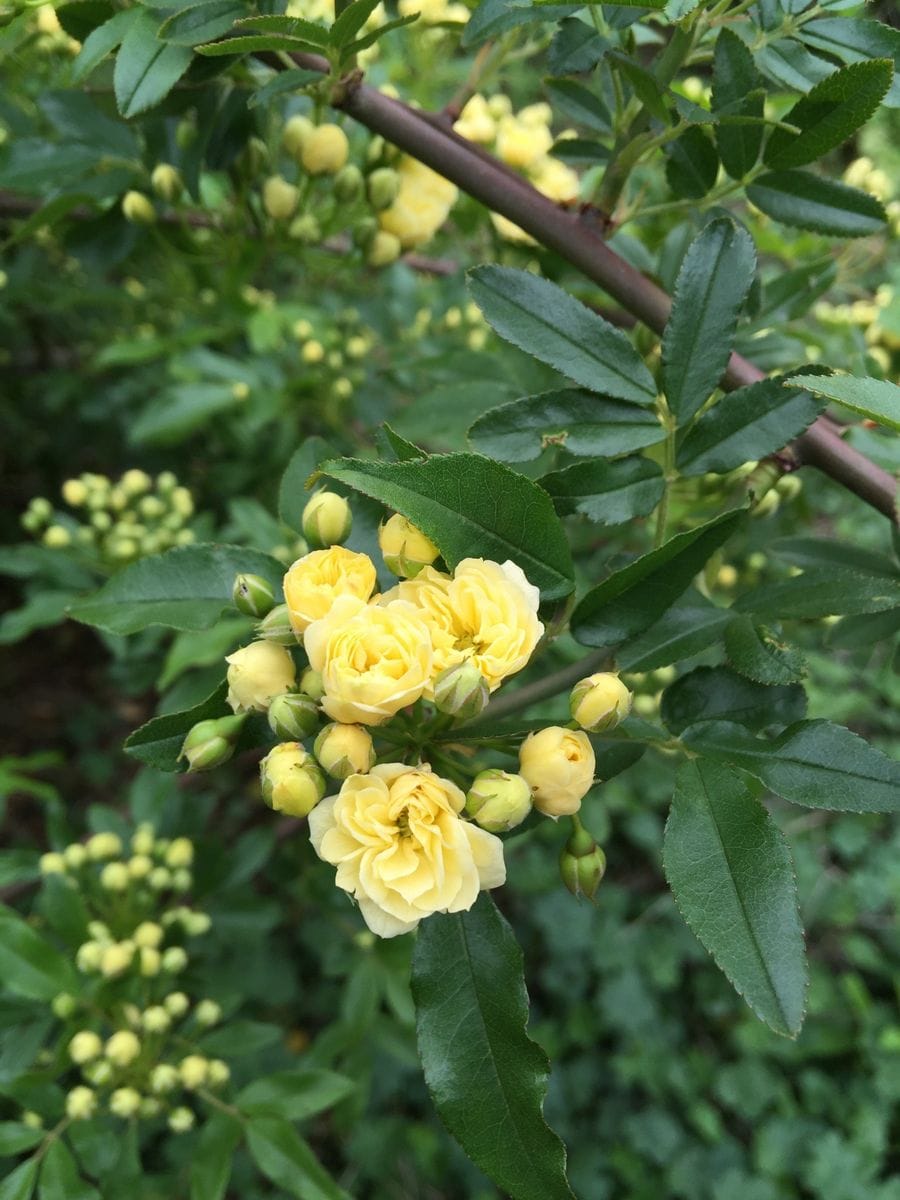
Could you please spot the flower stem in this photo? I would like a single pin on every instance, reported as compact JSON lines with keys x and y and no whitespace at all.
{"x":550,"y":685}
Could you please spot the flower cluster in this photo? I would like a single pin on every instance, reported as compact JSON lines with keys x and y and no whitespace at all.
{"x":129,"y":1032}
{"x":524,"y":141}
{"x":115,"y":521}
{"x":393,"y":672}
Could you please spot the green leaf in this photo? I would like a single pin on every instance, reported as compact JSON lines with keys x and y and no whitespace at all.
{"x":746,"y":425}
{"x":877,"y":399}
{"x":29,"y":966}
{"x":815,"y":552}
{"x":395,"y":447}
{"x":546,"y":322}
{"x":633,"y":598}
{"x":493,"y":17}
{"x":14,"y":1138}
{"x":735,"y":91}
{"x":852,"y":39}
{"x":285,"y":81}
{"x":834,"y":109}
{"x":180,"y":411}
{"x":60,"y":1177}
{"x":730,"y":871}
{"x":791,"y":65}
{"x":821,"y":592}
{"x":471,"y":507}
{"x":813,"y":763}
{"x":202,"y":648}
{"x":284,"y":1157}
{"x":201,"y":22}
{"x":582,"y":423}
{"x":351,"y":21}
{"x":212,"y":1155}
{"x":102,"y":41}
{"x":295,"y":1095}
{"x":486,"y":1077}
{"x":40,"y":611}
{"x":759,"y":653}
{"x":692,"y":163}
{"x":813,"y":202}
{"x":255,"y":43}
{"x":718,"y":693}
{"x":375,"y":35}
{"x":146,"y":69}
{"x":19,"y":1185}
{"x":188,"y":587}
{"x":158,"y":742}
{"x":292,"y":494}
{"x":295,"y":27}
{"x":691,"y":625}
{"x":712,"y":285}
{"x":579,"y":104}
{"x":608,"y":493}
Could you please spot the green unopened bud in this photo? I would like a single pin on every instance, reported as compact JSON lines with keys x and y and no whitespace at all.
{"x":345,"y":750}
{"x":276,"y":627}
{"x":138,"y":208}
{"x":327,"y":520}
{"x":253,"y":595}
{"x":364,"y":232}
{"x":348,"y":184}
{"x":461,"y":691}
{"x":294,"y":135}
{"x":211,"y":743}
{"x":383,"y":187}
{"x":293,"y":716}
{"x":306,"y":230}
{"x":600,"y":702}
{"x":789,"y":487}
{"x":582,"y":864}
{"x":167,"y":183}
{"x":280,"y":198}
{"x":383,"y":249}
{"x":64,"y":1005}
{"x":291,"y":780}
{"x":311,"y":684}
{"x":498,"y":800}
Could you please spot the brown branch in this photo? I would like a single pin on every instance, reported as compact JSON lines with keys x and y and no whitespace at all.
{"x":575,"y":239}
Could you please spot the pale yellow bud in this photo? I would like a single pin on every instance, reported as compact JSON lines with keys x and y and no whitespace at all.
{"x":75,"y":855}
{"x":32,"y":1120}
{"x":357,"y":347}
{"x":140,"y":866}
{"x":327,"y":520}
{"x":325,"y":150}
{"x":181,"y":1120}
{"x":218,"y":1073}
{"x":84,"y":1047}
{"x":143,"y":841}
{"x":138,"y":208}
{"x":195,"y":924}
{"x":384,"y":248}
{"x":405,"y":548}
{"x":558,"y":764}
{"x":150,"y":961}
{"x":291,"y":780}
{"x":148,"y":933}
{"x":193,"y":1071}
{"x":312,"y":352}
{"x":600,"y":702}
{"x":74,"y":492}
{"x":123,"y":1048}
{"x":498,"y":800}
{"x":57,"y":537}
{"x":345,"y":750}
{"x":208,"y":1012}
{"x":116,"y":958}
{"x":81,"y":1104}
{"x":115,"y":877}
{"x":174,"y":960}
{"x":280,"y":198}
{"x":160,"y":879}
{"x":176,"y":1004}
{"x":166,"y":182}
{"x":124,"y":1102}
{"x":293,"y":137}
{"x":164,"y":1079}
{"x":257,"y":673}
{"x":104,"y":845}
{"x":182,"y":502}
{"x":155,"y":1019}
{"x":89,"y":956}
{"x":52,"y":864}
{"x":180,"y":852}
{"x":99,"y":1073}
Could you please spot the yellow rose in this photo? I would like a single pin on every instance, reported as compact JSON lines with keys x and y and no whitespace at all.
{"x":401,"y":848}
{"x":256,"y":674}
{"x":558,"y":764}
{"x":475,"y":121}
{"x":521,"y":145}
{"x":422,"y":206}
{"x":315,"y":581}
{"x":373,"y":659}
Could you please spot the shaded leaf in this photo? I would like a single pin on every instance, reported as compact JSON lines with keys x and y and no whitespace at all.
{"x":607,"y":493}
{"x":718,"y":693}
{"x":759,"y":654}
{"x":877,"y":399}
{"x":813,"y":202}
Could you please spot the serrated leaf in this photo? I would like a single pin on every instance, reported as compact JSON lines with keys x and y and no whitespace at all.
{"x":546,"y":322}
{"x":146,"y":69}
{"x":712,"y":284}
{"x":471,"y":506}
{"x":212,"y":1156}
{"x":607,"y":493}
{"x":691,"y":625}
{"x":633,"y":598}
{"x":186,"y":588}
{"x":201,"y":22}
{"x":297,"y":27}
{"x":375,"y":35}
{"x":746,"y":425}
{"x":692,"y":163}
{"x":877,"y":399}
{"x":351,"y":21}
{"x":731,"y":873}
{"x":256,"y":43}
{"x":718,"y":693}
{"x":102,"y":41}
{"x":582,"y":423}
{"x":579,"y":104}
{"x":791,"y":65}
{"x":29,"y":965}
{"x":813,"y":552}
{"x":759,"y":654}
{"x":158,"y":742}
{"x":821,"y":592}
{"x":833,"y":110}
{"x":735,"y":90}
{"x":286,"y":1159}
{"x":851,"y":39}
{"x":488,"y":1083}
{"x":813,"y":202}
{"x":814,"y":763}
